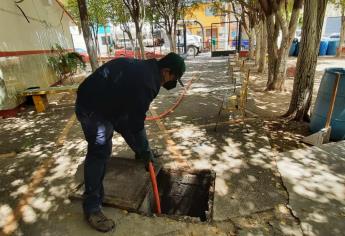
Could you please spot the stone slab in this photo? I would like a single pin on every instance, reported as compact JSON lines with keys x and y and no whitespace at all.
{"x":126,"y":183}
{"x":247,"y":180}
{"x":315,"y":180}
{"x":253,"y":189}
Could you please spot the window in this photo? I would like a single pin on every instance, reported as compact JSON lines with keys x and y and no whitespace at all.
{"x":208,"y":32}
{"x":208,"y":11}
{"x":104,"y":42}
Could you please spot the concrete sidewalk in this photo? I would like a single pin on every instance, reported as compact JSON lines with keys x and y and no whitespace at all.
{"x":253,"y":195}
{"x":315,"y":180}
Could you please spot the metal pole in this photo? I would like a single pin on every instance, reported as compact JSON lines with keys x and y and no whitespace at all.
{"x":124,"y":40}
{"x":178,"y":41}
{"x":239,"y":37}
{"x":202,"y":32}
{"x":184,"y":37}
{"x":153,"y":40}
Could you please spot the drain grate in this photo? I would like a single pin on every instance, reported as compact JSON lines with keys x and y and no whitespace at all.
{"x":187,"y":193}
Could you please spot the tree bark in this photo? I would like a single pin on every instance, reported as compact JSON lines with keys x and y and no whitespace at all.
{"x":125,"y":27}
{"x":342,"y":32}
{"x":258,"y":30}
{"x":272,"y":48}
{"x":106,"y":40}
{"x":136,"y":9}
{"x":251,"y":39}
{"x":85,"y":25}
{"x":263,"y":47}
{"x":277,"y":19}
{"x":140,"y":40}
{"x":171,"y":42}
{"x":313,"y":17}
{"x":288,"y":29}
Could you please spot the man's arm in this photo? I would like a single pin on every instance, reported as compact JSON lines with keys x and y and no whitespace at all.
{"x":136,"y":118}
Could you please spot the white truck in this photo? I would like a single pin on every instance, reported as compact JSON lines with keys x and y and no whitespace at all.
{"x":194,"y":44}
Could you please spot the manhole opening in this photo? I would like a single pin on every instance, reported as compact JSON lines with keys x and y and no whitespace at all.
{"x":185,"y":193}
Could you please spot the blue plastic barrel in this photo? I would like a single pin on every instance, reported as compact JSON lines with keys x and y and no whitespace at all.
{"x":323,"y":47}
{"x":332,"y":47}
{"x":318,"y":118}
{"x":292,"y":48}
{"x":296,"y":50}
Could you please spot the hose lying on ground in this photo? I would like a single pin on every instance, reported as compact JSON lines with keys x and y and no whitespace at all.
{"x":176,"y":104}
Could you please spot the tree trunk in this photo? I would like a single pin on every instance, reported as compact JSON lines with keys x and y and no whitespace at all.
{"x":125,"y":28}
{"x":106,"y":40}
{"x":140,"y":40}
{"x":277,"y":71}
{"x":85,"y":25}
{"x":272,"y":36}
{"x":131,"y":40}
{"x":96,"y":40}
{"x":263,"y":47}
{"x":251,"y":39}
{"x":342,"y":33}
{"x":171,"y":41}
{"x":313,"y":16}
{"x":258,"y":30}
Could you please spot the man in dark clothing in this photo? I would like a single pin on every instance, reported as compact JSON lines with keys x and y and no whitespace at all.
{"x":116,"y":97}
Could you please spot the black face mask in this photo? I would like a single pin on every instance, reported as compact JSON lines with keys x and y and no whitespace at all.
{"x":170,"y":84}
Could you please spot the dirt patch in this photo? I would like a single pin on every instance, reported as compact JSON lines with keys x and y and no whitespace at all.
{"x":284,"y":135}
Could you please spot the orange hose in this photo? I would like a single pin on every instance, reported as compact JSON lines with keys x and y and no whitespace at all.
{"x":171,"y":109}
{"x":155,"y":188}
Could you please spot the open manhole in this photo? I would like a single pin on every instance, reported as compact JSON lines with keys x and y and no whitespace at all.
{"x":184,"y":193}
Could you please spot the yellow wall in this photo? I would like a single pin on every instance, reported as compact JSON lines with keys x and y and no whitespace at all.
{"x":223,"y":34}
{"x":199,"y":13}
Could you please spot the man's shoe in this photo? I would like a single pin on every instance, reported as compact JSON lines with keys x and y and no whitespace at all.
{"x":100,"y":222}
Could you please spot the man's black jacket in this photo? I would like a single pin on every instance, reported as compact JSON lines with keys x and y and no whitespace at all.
{"x":121,"y":88}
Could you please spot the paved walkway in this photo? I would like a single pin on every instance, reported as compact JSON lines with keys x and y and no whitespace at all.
{"x":254,"y":192}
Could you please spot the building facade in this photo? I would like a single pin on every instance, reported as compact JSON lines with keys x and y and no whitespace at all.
{"x":219,"y":31}
{"x":28,"y":30}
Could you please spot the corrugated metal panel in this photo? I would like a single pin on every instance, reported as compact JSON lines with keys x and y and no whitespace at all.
{"x":332,"y":25}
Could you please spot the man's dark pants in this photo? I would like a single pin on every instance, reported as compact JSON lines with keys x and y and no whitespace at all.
{"x":98,"y":133}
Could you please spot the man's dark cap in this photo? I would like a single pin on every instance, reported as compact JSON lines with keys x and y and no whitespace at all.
{"x":175,"y":63}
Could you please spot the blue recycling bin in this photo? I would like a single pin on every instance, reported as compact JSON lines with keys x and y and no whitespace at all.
{"x":322,"y":103}
{"x":332,"y":47}
{"x":292,"y":48}
{"x":323,"y":47}
{"x":296,"y":50}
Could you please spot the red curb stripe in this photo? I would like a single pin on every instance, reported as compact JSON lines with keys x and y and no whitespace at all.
{"x":28,"y":52}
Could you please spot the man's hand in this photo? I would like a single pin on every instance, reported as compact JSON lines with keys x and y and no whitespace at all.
{"x":146,"y":157}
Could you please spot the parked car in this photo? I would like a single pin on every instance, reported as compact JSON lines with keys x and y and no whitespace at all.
{"x":122,"y":43}
{"x":194,"y":44}
{"x":83,"y":53}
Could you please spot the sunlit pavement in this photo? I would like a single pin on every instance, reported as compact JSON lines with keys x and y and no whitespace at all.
{"x":258,"y":192}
